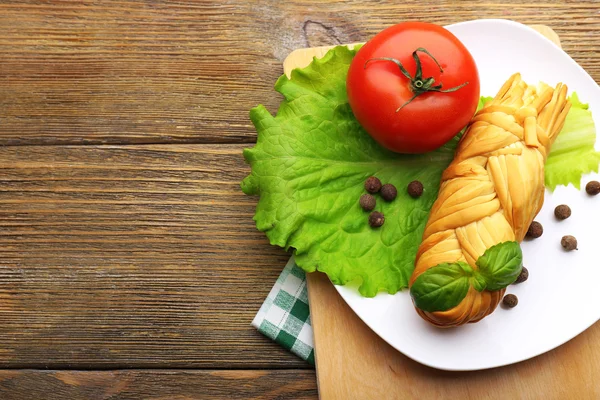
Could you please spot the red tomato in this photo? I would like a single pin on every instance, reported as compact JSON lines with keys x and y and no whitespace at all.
{"x":380,"y":93}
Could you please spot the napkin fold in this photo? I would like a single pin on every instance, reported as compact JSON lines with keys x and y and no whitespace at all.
{"x":285,"y":317}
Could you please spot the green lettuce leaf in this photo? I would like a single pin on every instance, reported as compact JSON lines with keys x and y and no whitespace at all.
{"x":573,"y":152}
{"x":483,"y":100}
{"x":309,"y":167}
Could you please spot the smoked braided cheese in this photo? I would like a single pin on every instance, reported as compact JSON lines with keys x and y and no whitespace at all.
{"x":493,"y":188}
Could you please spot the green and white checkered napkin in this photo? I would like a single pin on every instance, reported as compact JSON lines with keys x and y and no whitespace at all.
{"x":285,"y":316}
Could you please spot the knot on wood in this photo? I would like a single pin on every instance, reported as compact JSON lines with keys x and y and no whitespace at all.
{"x":318,"y":34}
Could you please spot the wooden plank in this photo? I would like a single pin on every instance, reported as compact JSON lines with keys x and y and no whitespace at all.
{"x":138,"y":71}
{"x":374,"y":369}
{"x":135,"y":256}
{"x":158,"y":385}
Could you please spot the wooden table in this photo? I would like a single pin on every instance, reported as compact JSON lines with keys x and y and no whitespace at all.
{"x":129,"y":262}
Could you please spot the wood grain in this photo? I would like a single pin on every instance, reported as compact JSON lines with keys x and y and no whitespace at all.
{"x":158,"y":385}
{"x":373,"y":369}
{"x":136,"y":256}
{"x":152,"y":71}
{"x":147,"y":256}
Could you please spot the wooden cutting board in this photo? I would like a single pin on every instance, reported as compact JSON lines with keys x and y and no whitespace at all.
{"x":354,"y":363}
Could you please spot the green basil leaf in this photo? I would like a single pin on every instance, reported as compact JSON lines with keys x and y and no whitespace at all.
{"x":442,"y":287}
{"x":478,"y":282}
{"x":500,"y":265}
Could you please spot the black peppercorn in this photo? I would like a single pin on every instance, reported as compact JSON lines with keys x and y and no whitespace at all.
{"x":388,"y":192}
{"x":376,"y":219}
{"x":535,"y":230}
{"x":569,"y":242}
{"x":592,"y":188}
{"x":562,"y":212}
{"x":510,"y":300}
{"x":415,"y":189}
{"x":523,"y":276}
{"x":372,"y":184}
{"x":367,"y":202}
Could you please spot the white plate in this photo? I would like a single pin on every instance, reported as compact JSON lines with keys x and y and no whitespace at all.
{"x":562,"y":296}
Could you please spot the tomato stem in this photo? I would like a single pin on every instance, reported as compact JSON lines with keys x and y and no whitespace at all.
{"x":418,"y":84}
